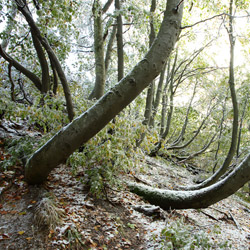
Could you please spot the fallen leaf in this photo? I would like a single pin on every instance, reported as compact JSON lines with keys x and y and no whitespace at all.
{"x":23,"y":213}
{"x":4,"y":212}
{"x":4,"y":237}
{"x":21,"y":232}
{"x":13,"y":212}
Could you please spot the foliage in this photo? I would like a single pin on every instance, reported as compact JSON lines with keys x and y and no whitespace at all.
{"x":112,"y":152}
{"x":17,"y":152}
{"x":179,"y":235}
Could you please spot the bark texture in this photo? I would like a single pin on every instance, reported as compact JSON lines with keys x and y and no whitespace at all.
{"x":202,"y":198}
{"x":84,"y":127}
{"x":119,"y":37}
{"x":98,"y":90}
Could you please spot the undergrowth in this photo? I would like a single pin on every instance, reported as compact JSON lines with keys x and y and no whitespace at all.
{"x":110,"y":154}
{"x":179,"y":235}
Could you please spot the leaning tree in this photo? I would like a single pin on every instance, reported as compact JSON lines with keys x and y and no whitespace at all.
{"x":87,"y":125}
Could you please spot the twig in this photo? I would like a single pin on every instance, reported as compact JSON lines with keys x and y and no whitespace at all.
{"x":204,"y":20}
{"x":218,"y":210}
{"x":209,"y":215}
{"x":140,"y":180}
{"x":235,"y":221}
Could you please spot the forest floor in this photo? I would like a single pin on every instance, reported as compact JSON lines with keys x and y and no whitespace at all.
{"x":61,"y":214}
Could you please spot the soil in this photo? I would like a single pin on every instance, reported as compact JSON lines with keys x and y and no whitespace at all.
{"x":61,"y":214}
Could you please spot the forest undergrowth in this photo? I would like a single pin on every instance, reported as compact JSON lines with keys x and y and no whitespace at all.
{"x":66,"y":213}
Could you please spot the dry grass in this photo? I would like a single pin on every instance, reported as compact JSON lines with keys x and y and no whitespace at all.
{"x":47,"y":214}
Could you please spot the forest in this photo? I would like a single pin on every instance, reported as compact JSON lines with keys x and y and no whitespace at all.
{"x":124,"y":124}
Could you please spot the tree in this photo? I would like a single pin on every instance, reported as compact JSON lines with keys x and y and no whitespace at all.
{"x":70,"y":138}
{"x":41,"y":43}
{"x":202,"y":198}
{"x":66,"y":141}
{"x":98,"y":90}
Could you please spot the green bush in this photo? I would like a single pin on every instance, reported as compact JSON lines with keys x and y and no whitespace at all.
{"x":179,"y":235}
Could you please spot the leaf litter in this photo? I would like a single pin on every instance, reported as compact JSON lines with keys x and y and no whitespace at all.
{"x":78,"y":220}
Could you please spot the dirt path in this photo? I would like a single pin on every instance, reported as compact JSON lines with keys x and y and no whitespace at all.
{"x":61,"y":214}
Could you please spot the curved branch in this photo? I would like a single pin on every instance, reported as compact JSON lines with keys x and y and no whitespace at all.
{"x":170,"y":199}
{"x":51,"y":54}
{"x":22,"y":69}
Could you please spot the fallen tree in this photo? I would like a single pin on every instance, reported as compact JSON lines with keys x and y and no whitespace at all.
{"x":201,"y":198}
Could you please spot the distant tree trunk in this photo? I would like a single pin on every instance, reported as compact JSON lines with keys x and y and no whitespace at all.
{"x":220,"y":135}
{"x":43,"y":63}
{"x":119,"y":37}
{"x":165,"y":101}
{"x":170,"y":111}
{"x":109,"y":47}
{"x":150,"y":92}
{"x":70,"y":138}
{"x":223,"y":169}
{"x":169,"y":199}
{"x":38,"y":40}
{"x":52,"y":56}
{"x":151,"y":88}
{"x":157,"y":100}
{"x":185,"y":123}
{"x":98,"y":90}
{"x":241,"y":124}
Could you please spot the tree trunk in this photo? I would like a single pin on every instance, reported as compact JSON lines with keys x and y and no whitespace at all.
{"x":43,"y":40}
{"x":151,"y":88}
{"x":109,"y":47}
{"x":156,"y":102}
{"x":169,"y":199}
{"x":43,"y":63}
{"x":119,"y":37}
{"x":68,"y":139}
{"x":98,"y":90}
{"x":224,"y":167}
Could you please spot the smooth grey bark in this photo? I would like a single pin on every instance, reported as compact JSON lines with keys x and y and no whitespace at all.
{"x":224,"y":167}
{"x":106,"y":6}
{"x":151,"y":88}
{"x":119,"y":37}
{"x":165,"y":101}
{"x":98,"y":90}
{"x":109,"y":47}
{"x":157,"y":99}
{"x":43,"y":63}
{"x":220,"y":135}
{"x":241,"y":125}
{"x":43,"y":40}
{"x":202,"y":198}
{"x":84,"y":127}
